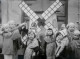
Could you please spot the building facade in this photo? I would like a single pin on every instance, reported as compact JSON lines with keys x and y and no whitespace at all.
{"x":68,"y":12}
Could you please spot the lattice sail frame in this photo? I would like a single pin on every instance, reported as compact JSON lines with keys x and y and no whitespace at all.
{"x":30,"y":13}
{"x":45,"y":15}
{"x":51,"y":10}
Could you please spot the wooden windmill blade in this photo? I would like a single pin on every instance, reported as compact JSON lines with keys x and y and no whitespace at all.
{"x":28,"y":11}
{"x":51,"y":10}
{"x":31,"y":14}
{"x":48,"y":25}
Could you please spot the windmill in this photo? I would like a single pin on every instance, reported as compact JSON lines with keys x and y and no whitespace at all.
{"x":46,"y":14}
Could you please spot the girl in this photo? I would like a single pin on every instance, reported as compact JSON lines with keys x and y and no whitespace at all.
{"x":32,"y":43}
{"x":50,"y":44}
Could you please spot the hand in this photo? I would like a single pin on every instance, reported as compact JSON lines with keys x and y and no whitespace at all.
{"x":23,"y":24}
{"x":57,"y":55}
{"x":33,"y":54}
{"x":1,"y":32}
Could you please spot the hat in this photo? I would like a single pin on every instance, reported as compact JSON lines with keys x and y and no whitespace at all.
{"x":63,"y":32}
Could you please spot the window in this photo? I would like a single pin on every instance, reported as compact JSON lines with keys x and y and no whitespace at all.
{"x":61,"y":12}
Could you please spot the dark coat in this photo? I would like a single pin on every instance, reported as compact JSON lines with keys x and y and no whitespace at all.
{"x":76,"y":48}
{"x":50,"y":47}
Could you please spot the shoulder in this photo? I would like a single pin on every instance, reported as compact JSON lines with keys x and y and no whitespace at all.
{"x":35,"y":40}
{"x":16,"y":34}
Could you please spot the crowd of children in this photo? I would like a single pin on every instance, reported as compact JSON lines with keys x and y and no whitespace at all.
{"x":47,"y":44}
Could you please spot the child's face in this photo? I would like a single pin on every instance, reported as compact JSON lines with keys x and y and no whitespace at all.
{"x":7,"y":28}
{"x":49,"y":32}
{"x":59,"y":37}
{"x":63,"y":26}
{"x":12,"y":26}
{"x":71,"y":28}
{"x":31,"y":35}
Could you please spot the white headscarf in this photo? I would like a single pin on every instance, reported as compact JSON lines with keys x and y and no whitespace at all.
{"x":5,"y":26}
{"x":11,"y":24}
{"x":70,"y":24}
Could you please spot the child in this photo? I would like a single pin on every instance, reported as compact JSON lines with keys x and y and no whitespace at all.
{"x":10,"y":33}
{"x":50,"y":44}
{"x":32,"y":43}
{"x":76,"y":44}
{"x":62,"y":41}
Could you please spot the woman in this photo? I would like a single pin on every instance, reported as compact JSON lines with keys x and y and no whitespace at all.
{"x":50,"y":44}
